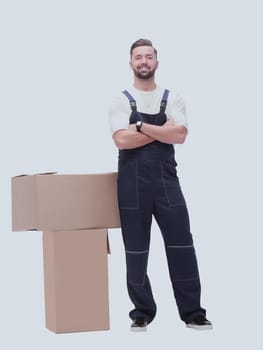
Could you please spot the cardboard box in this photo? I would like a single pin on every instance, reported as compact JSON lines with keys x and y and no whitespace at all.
{"x":64,"y":202}
{"x":76,"y":280}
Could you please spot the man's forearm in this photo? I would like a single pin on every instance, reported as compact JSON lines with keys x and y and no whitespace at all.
{"x":167,"y":133}
{"x":126,"y":139}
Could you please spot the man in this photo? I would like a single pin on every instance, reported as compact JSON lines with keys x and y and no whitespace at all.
{"x":145,"y":122}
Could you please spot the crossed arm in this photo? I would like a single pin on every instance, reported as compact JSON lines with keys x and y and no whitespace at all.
{"x":169,"y":132}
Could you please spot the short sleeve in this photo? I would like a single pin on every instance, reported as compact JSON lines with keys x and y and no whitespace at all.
{"x":118,"y":115}
{"x":176,"y":109}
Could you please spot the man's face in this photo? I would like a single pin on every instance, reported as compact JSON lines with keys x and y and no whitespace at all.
{"x":143,"y":62}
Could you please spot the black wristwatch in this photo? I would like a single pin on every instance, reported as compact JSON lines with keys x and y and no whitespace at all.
{"x":139,"y":125}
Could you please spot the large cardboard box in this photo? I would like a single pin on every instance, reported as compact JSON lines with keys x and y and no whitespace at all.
{"x":64,"y":202}
{"x":76,"y":280}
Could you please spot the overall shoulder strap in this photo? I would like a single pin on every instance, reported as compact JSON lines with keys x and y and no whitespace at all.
{"x":164,"y":100}
{"x":131,"y":100}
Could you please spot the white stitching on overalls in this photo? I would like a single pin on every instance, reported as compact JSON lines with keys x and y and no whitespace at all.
{"x":165,"y":189}
{"x":141,"y":252}
{"x":180,"y":246}
{"x":137,"y":191}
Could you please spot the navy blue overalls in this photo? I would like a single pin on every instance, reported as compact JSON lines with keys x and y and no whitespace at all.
{"x":148,"y":186}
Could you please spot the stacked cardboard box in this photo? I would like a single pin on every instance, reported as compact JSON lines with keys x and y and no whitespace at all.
{"x":74,"y":213}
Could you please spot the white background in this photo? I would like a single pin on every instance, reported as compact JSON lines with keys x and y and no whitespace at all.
{"x":61,"y":63}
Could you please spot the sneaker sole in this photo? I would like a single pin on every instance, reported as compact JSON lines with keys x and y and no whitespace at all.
{"x":138,"y":329}
{"x":200,"y":328}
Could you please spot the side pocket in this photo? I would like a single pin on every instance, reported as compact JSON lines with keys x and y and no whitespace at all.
{"x":171,"y":184}
{"x":128,"y":197}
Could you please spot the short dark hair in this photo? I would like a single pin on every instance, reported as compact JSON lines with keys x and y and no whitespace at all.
{"x":142,"y":42}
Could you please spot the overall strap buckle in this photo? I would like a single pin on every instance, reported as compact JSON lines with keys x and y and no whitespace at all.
{"x":164,"y":100}
{"x":131,"y":100}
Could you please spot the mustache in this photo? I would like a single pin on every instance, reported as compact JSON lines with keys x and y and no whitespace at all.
{"x":143,"y":65}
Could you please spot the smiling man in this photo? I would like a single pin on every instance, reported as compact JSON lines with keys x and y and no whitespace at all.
{"x":146,"y":121}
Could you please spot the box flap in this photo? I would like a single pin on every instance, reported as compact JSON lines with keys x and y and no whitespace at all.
{"x":47,"y":173}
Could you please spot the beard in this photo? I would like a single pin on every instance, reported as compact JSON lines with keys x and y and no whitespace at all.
{"x":145,"y":74}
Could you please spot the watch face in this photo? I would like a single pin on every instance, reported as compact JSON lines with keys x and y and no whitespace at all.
{"x":138,"y":125}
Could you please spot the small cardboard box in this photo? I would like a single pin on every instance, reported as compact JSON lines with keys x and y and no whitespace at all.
{"x":64,"y":202}
{"x":76,"y":280}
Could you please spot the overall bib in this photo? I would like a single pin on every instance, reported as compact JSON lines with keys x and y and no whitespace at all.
{"x":148,"y":186}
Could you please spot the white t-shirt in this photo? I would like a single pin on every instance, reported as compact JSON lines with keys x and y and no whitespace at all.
{"x":147,"y":102}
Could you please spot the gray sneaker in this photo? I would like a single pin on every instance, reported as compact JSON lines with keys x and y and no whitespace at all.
{"x":200,"y":323}
{"x":139,"y":325}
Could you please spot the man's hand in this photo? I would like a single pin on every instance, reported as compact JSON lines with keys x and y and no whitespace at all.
{"x":131,"y":138}
{"x":169,"y":132}
{"x":169,"y":122}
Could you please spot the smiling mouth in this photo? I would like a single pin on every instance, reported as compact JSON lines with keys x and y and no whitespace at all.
{"x":144,"y":67}
{"x":144,"y":70}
